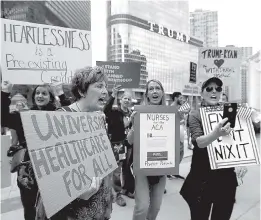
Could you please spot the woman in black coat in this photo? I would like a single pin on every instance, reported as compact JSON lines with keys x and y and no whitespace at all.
{"x":43,"y":99}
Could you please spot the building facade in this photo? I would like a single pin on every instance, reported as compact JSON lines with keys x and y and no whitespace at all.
{"x":204,"y":26}
{"x":254,"y":80}
{"x":246,"y":53}
{"x":157,"y":35}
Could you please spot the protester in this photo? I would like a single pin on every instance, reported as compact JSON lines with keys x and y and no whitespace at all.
{"x":43,"y":99}
{"x":177,"y":103}
{"x":89,"y":89}
{"x":149,"y":190}
{"x":118,"y":118}
{"x":204,"y":187}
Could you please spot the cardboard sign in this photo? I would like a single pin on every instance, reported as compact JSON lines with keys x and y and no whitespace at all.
{"x":221,"y":62}
{"x":125,"y":74}
{"x":156,"y":140}
{"x":67,"y":149}
{"x":239,"y":148}
{"x":36,"y":54}
{"x":193,"y":73}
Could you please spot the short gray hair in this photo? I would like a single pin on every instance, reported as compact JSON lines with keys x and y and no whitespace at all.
{"x":85,"y":77}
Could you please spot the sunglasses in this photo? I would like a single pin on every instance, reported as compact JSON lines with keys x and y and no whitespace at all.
{"x":210,"y":89}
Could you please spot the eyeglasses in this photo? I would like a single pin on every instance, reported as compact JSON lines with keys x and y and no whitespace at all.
{"x":210,"y":89}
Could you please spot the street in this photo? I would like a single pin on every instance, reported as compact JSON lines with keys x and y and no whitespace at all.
{"x":247,"y":205}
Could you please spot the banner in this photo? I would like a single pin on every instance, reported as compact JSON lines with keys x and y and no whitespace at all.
{"x":125,"y":74}
{"x":156,"y":140}
{"x":36,"y":54}
{"x":239,"y":148}
{"x":66,"y":150}
{"x":193,"y":73}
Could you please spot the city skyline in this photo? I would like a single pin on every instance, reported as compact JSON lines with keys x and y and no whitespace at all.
{"x":236,"y":27}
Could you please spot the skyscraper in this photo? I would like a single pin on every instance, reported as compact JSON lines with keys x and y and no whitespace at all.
{"x":204,"y":26}
{"x":246,"y":53}
{"x":155,"y":33}
{"x":71,"y":14}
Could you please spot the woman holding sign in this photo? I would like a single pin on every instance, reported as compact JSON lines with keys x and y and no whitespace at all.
{"x":89,"y":87}
{"x":149,"y":190}
{"x":43,"y":99}
{"x":204,"y":187}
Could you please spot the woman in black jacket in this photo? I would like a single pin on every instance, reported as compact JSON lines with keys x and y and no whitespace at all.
{"x":43,"y":99}
{"x":118,"y":119}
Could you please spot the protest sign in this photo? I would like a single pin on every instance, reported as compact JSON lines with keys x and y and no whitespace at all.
{"x":67,"y":149}
{"x":156,"y":140}
{"x":36,"y":53}
{"x":125,"y":74}
{"x":239,"y":148}
{"x":221,"y":62}
{"x":193,"y":73}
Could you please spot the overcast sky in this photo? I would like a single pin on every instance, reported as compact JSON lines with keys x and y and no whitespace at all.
{"x":239,"y":21}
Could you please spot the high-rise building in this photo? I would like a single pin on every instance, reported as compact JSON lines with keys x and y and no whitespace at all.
{"x":246,"y":53}
{"x":71,"y":14}
{"x":155,"y":33}
{"x":254,"y":80}
{"x":204,"y":26}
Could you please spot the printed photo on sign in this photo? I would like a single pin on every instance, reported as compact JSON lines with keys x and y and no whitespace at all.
{"x":122,"y":73}
{"x":37,"y":54}
{"x":239,"y":148}
{"x":67,"y":150}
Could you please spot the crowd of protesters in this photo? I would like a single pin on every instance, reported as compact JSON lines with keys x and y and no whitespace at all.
{"x":89,"y":88}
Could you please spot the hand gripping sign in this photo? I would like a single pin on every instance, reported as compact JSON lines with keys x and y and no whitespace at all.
{"x":240,"y":149}
{"x":67,"y":149}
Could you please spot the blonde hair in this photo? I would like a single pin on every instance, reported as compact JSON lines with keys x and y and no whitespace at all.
{"x":146,"y":99}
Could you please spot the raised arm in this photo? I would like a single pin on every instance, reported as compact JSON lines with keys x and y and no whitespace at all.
{"x":9,"y":120}
{"x":198,"y":137}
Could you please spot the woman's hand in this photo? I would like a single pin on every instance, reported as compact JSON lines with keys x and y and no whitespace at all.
{"x":57,"y":87}
{"x":94,"y":187}
{"x":7,"y":86}
{"x":222,"y":131}
{"x":115,"y":90}
{"x":241,"y":172}
{"x":132,"y":117}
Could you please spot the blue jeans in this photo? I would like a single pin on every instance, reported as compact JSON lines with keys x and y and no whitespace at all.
{"x":148,"y":198}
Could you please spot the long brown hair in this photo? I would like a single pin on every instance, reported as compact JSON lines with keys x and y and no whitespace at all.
{"x":145,"y":98}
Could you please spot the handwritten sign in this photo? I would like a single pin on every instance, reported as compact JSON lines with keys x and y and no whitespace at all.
{"x":36,"y":54}
{"x":125,"y":74}
{"x":66,"y":150}
{"x":239,"y":148}
{"x":156,"y":140}
{"x":221,"y":62}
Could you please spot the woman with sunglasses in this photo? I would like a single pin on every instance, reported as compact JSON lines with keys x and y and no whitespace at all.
{"x":204,"y":187}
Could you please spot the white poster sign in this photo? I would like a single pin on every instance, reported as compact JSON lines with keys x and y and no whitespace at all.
{"x":37,"y":54}
{"x":157,"y":140}
{"x":221,"y":62}
{"x":239,"y":148}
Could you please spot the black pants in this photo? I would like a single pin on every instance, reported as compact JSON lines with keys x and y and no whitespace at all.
{"x":28,"y":198}
{"x":222,"y":202}
{"x":128,"y":179}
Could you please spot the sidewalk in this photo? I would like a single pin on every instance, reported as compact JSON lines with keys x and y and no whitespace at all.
{"x":247,"y":205}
